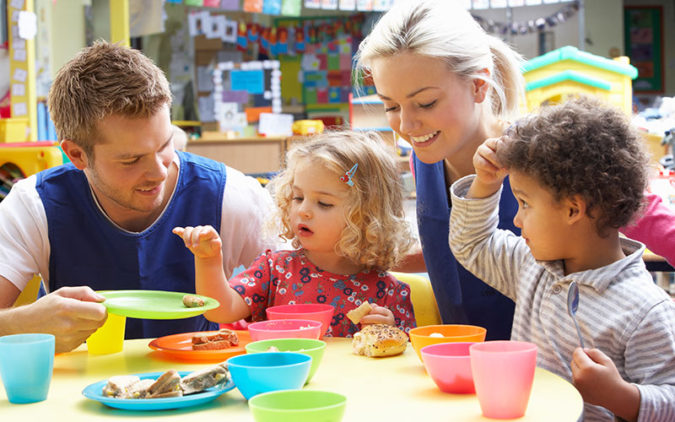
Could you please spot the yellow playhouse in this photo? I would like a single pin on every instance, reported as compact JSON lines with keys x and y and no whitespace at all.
{"x":564,"y":72}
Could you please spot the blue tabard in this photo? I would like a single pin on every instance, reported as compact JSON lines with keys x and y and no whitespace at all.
{"x":87,"y":249}
{"x":461,"y":297}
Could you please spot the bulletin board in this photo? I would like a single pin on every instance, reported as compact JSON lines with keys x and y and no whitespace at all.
{"x":644,"y":45}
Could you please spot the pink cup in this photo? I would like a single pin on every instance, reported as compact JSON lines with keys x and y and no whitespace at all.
{"x":314,"y":311}
{"x":503,"y":372}
{"x":449,"y":365}
{"x":284,"y":328}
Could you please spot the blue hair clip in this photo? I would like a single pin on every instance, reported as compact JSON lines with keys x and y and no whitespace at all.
{"x":347,"y":178}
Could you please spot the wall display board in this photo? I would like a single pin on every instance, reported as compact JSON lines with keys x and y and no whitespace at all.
{"x":643,"y":38}
{"x":242,"y":91}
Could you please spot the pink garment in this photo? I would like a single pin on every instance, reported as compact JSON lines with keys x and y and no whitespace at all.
{"x":655,"y":228}
{"x":287,"y":277}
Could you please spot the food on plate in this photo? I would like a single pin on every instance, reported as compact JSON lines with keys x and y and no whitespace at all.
{"x":119,"y":385}
{"x":168,"y":384}
{"x":192,"y":301}
{"x":435,"y":335}
{"x":223,"y":339}
{"x":204,"y":378}
{"x":379,"y":340}
{"x":356,"y":314}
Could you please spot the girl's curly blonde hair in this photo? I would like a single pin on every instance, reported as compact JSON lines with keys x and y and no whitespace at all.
{"x":376,"y":235}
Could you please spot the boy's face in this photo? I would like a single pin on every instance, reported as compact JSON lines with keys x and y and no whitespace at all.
{"x":318,"y":207}
{"x":542,"y":219}
{"x":131,"y":173}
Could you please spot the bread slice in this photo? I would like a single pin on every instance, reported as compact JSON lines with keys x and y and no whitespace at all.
{"x":202,"y":379}
{"x":166,"y":383}
{"x":356,"y":314}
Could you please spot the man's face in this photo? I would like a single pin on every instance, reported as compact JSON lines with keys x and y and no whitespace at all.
{"x":131,"y":170}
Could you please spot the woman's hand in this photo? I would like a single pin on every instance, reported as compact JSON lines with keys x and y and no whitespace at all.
{"x":203,"y":241}
{"x":378,"y":315}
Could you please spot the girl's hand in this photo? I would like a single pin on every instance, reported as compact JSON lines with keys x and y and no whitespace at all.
{"x":378,"y":315}
{"x":203,"y":241}
{"x":599,"y":383}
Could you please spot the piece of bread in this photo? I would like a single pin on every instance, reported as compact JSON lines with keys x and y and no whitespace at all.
{"x":192,"y":301}
{"x":356,"y":314}
{"x":168,"y":382}
{"x":378,"y":340}
{"x":202,"y":379}
{"x":223,"y":339}
{"x":138,"y":390}
{"x":118,"y":385}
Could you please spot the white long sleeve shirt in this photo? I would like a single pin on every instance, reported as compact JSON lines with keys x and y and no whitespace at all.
{"x":621,"y":311}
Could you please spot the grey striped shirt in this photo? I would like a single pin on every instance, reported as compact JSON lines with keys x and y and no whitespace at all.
{"x":621,"y":311}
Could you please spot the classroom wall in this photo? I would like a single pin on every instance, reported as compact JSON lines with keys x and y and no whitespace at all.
{"x":67,"y":30}
{"x":668,"y":38}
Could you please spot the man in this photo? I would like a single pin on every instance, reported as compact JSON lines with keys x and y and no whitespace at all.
{"x":105,"y":219}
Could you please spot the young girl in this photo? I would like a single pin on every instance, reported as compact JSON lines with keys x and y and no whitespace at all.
{"x":340,"y":204}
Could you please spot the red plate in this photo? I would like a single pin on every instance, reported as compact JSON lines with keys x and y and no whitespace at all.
{"x":179,"y":346}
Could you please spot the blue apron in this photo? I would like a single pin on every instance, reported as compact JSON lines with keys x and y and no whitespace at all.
{"x":87,"y":249}
{"x":461,"y":297}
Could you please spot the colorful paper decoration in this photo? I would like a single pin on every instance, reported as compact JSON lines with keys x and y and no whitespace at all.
{"x":211,"y":3}
{"x":347,"y":4}
{"x":329,"y":4}
{"x":198,"y":3}
{"x":229,"y":4}
{"x":254,"y":6}
{"x":313,"y":4}
{"x":291,"y":7}
{"x":272,"y":7}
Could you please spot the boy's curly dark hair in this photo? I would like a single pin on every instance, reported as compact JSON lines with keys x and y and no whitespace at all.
{"x":582,"y":147}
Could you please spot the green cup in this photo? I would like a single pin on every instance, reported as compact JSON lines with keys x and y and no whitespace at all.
{"x":298,"y":406}
{"x":310,"y":347}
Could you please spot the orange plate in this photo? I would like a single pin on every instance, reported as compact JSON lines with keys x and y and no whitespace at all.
{"x":179,"y":346}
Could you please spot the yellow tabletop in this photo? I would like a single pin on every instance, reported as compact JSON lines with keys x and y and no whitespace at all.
{"x":394,"y":389}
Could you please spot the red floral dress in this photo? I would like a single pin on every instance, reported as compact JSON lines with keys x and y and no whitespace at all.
{"x":288,"y":277}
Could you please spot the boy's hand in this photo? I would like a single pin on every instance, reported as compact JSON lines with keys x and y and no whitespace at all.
{"x":203,"y":241}
{"x":599,"y":382}
{"x":378,"y":315}
{"x":489,"y":173}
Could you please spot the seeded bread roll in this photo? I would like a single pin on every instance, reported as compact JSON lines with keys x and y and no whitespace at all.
{"x":356,"y":314}
{"x":379,"y":340}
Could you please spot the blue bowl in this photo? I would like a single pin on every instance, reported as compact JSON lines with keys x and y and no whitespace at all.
{"x":269,"y":371}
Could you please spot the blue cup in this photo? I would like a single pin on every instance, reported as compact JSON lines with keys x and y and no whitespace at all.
{"x":269,"y":371}
{"x":26,"y":365}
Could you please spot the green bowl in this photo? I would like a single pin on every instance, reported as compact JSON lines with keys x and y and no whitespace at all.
{"x":311,"y":347}
{"x":298,"y":406}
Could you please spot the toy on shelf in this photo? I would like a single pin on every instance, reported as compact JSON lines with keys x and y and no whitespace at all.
{"x":20,"y":160}
{"x":564,"y":72}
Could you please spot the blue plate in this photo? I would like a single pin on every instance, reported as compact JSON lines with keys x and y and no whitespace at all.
{"x":95,"y":392}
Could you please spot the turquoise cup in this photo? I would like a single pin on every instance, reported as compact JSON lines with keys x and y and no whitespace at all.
{"x":26,"y":366}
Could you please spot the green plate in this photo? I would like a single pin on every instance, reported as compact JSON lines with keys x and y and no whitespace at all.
{"x":153,"y":304}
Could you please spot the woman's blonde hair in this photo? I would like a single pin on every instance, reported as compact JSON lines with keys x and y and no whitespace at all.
{"x":102,"y":80}
{"x":376,"y":235}
{"x":444,"y":29}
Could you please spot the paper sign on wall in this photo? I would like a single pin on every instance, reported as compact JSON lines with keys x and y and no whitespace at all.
{"x":18,"y":90}
{"x":248,"y":80}
{"x":20,"y":75}
{"x":272,"y":124}
{"x":19,"y":109}
{"x":27,"y":25}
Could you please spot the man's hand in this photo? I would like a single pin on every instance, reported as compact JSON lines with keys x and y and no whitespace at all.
{"x":71,"y":314}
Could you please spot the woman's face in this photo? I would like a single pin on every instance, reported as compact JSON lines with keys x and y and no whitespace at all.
{"x":428,"y":105}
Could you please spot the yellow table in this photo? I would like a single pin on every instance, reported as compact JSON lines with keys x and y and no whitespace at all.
{"x":394,"y":389}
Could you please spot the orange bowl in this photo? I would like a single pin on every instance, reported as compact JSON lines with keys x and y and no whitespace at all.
{"x":444,"y":333}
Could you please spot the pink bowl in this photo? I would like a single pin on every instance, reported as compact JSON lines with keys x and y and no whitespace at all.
{"x":284,"y":328}
{"x":314,"y":311}
{"x":449,"y":365}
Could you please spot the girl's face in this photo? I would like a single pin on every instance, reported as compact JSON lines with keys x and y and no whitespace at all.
{"x":318,"y":207}
{"x":428,"y":105}
{"x":541,"y":218}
